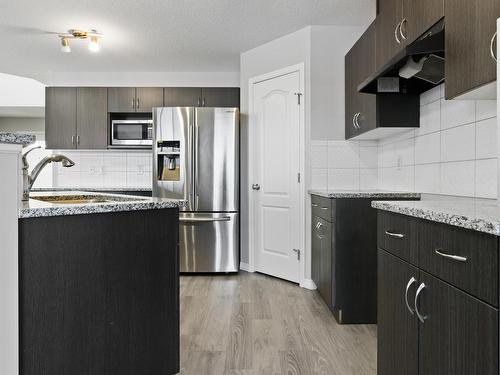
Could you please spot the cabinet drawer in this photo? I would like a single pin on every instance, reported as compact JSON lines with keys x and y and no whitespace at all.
{"x":322,"y":207}
{"x":398,"y":235}
{"x":464,"y":258}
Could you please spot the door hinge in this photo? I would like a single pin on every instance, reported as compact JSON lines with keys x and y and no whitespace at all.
{"x":298,"y":253}
{"x":299,"y":94}
{"x":298,"y":177}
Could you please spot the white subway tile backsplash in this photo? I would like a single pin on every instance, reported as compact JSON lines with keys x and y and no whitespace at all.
{"x":368,"y":179}
{"x":343,"y":154}
{"x":430,"y":118}
{"x":485,"y":109}
{"x":319,"y":178}
{"x":319,"y":156}
{"x":457,"y":178}
{"x":343,"y":179}
{"x":427,"y":178}
{"x":458,"y":143}
{"x":457,"y":112}
{"x":486,"y":178}
{"x":115,"y":179}
{"x":486,"y":139}
{"x":428,"y":148}
{"x":368,"y":157}
{"x":115,"y":163}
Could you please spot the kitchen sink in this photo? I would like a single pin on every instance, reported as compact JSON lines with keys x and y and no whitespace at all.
{"x":82,"y":199}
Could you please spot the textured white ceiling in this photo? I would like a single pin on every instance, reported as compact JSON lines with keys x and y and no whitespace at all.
{"x":157,"y":35}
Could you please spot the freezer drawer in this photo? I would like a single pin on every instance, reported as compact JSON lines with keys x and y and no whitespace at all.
{"x":209,"y":242}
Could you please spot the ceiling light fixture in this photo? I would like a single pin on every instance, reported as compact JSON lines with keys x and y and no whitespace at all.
{"x":65,"y":45}
{"x":92,"y":35}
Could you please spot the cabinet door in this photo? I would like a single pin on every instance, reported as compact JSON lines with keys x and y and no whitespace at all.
{"x":459,"y":335}
{"x":390,"y":14}
{"x":397,"y":328}
{"x":470,"y":26}
{"x":316,"y":236}
{"x":121,"y":99}
{"x":92,"y":117}
{"x":359,"y":64}
{"x":221,"y":97}
{"x":60,"y":117}
{"x":420,"y":16}
{"x":147,"y":98}
{"x":182,"y":97}
{"x":325,"y":288}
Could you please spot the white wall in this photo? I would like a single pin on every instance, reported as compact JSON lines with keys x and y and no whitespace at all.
{"x":20,"y":92}
{"x":161,"y":79}
{"x":289,"y":50}
{"x":329,"y":44}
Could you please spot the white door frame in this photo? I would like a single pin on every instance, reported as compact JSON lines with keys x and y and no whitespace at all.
{"x":302,"y":142}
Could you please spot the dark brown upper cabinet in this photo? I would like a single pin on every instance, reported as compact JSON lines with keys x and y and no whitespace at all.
{"x":91,"y":118}
{"x":367,"y":112}
{"x":131,"y":99}
{"x":389,"y":41}
{"x":400,"y":22}
{"x":419,"y":16}
{"x":360,"y":109}
{"x":470,"y":30}
{"x":182,"y":97}
{"x":76,"y":118}
{"x":60,"y":117}
{"x":220,"y":97}
{"x":202,"y":97}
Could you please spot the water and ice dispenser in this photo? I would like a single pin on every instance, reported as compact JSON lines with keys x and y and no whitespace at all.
{"x":169,"y":155}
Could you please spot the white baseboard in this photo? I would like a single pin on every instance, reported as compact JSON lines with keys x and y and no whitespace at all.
{"x":245,"y":267}
{"x":308,"y":284}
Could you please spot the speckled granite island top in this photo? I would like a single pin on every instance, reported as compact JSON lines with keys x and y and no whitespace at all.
{"x":17,"y":138}
{"x":482,"y":215}
{"x":375,"y":194}
{"x":101,"y":203}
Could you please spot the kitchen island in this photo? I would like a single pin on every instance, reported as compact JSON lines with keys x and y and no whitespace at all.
{"x":99,"y":285}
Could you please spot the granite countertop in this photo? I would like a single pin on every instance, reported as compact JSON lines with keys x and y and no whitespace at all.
{"x":363,"y":194}
{"x":37,"y":208}
{"x":482,"y":215}
{"x":17,"y":138}
{"x":95,"y":189}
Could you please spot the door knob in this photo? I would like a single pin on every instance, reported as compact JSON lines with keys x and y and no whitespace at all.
{"x":256,"y":186}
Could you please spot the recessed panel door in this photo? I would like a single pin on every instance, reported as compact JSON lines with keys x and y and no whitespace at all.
{"x":275,"y":154}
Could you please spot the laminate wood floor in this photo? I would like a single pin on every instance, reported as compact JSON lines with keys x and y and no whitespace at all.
{"x":252,"y":324}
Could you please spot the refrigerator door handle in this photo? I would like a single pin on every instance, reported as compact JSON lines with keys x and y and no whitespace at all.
{"x":204,"y":220}
{"x":195,"y":162}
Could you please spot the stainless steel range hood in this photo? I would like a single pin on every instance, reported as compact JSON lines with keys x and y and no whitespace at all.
{"x":416,"y":68}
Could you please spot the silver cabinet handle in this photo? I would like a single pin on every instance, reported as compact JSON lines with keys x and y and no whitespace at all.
{"x":133,"y":103}
{"x":396,"y":33}
{"x":419,"y":290}
{"x":314,"y":205}
{"x":199,"y":102}
{"x":72,"y":139}
{"x":256,"y":186}
{"x":77,"y":139}
{"x":458,"y":258}
{"x":392,"y":234}
{"x":325,"y":208}
{"x":412,"y":281}
{"x":353,"y":120}
{"x":356,"y":120}
{"x":492,"y":50}
{"x":403,"y":22}
{"x":319,"y":225}
{"x":203,"y":103}
{"x":203,"y":219}
{"x":137,"y":103}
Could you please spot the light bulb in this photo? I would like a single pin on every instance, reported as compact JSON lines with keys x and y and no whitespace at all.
{"x":65,"y":45}
{"x":94,"y":44}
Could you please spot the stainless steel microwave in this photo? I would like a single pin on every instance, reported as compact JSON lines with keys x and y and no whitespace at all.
{"x":131,"y":133}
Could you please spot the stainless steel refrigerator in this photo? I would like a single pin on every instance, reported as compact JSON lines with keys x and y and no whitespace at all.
{"x":196,"y":158}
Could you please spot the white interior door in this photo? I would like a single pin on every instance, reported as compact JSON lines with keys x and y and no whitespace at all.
{"x":276,"y":164}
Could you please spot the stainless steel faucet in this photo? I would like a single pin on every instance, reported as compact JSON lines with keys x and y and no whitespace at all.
{"x":29,"y":179}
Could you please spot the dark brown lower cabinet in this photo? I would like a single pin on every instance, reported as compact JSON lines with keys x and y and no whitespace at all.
{"x":99,"y":294}
{"x":459,"y":335}
{"x":397,"y":327}
{"x":428,"y":325}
